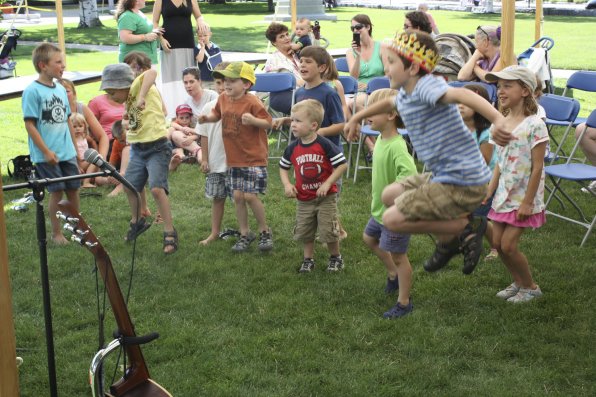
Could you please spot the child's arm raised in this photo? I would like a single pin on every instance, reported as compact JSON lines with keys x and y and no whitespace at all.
{"x":352,"y":127}
{"x":332,"y":130}
{"x":148,"y":80}
{"x":35,"y":136}
{"x":289,"y":188}
{"x":210,"y":118}
{"x":527,"y":204}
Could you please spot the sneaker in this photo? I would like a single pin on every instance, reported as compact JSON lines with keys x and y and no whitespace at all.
{"x":336,"y":263}
{"x":399,"y":310}
{"x":442,"y":255}
{"x":243,"y":242}
{"x":508,"y":292}
{"x":525,"y":295}
{"x":471,"y":243}
{"x":591,"y":188}
{"x":228,"y":233}
{"x":265,"y":241}
{"x":308,"y":264}
{"x":392,"y":285}
{"x":493,"y":254}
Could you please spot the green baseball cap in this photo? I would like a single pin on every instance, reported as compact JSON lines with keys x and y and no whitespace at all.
{"x":237,"y":70}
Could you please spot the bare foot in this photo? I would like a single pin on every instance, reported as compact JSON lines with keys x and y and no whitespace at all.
{"x":59,"y":240}
{"x":88,"y":185}
{"x":117,"y":190}
{"x":209,"y":239}
{"x":146,"y":213}
{"x":175,"y":162}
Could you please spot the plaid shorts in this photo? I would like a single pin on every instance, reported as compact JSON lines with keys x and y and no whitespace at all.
{"x":216,"y":186}
{"x":248,"y":179}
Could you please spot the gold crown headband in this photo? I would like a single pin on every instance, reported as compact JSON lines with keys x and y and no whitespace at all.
{"x":407,"y":45}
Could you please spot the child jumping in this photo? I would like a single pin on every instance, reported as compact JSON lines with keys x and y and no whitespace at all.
{"x":518,"y":179}
{"x":441,"y":201}
{"x":391,"y":163}
{"x":318,"y":164}
{"x":244,"y":122}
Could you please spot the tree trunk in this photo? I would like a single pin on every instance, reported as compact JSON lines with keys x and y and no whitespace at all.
{"x":88,"y":14}
{"x":270,"y":6}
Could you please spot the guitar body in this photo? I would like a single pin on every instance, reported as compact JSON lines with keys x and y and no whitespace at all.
{"x":136,"y":381}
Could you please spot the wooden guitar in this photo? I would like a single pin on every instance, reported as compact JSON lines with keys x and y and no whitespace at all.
{"x":135,"y":381}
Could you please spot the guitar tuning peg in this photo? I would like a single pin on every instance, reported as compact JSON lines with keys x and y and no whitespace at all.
{"x":76,"y":239}
{"x":66,"y":218}
{"x":70,"y":228}
{"x":90,"y":244}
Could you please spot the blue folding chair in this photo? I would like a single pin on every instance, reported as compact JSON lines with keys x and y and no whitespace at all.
{"x":582,"y":80}
{"x":374,"y":84}
{"x":560,"y":111}
{"x":342,"y":65}
{"x":276,"y":83}
{"x":350,"y":86}
{"x":577,"y":172}
{"x":491,"y":89}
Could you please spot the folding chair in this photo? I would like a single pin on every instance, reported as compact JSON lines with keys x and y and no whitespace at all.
{"x":350,"y":86}
{"x":582,"y":80}
{"x":374,"y":84}
{"x":491,"y":89}
{"x":577,"y":172}
{"x":560,"y":111}
{"x":276,"y":83}
{"x":342,"y":65}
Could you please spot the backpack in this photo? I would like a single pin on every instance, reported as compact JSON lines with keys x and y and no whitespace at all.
{"x":21,"y":167}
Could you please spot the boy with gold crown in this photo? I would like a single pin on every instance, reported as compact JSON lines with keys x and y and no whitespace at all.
{"x":439,"y":201}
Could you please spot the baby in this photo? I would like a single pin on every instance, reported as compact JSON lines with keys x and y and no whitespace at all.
{"x":302,"y":35}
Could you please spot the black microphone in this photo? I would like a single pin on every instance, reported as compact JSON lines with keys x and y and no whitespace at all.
{"x":91,"y":156}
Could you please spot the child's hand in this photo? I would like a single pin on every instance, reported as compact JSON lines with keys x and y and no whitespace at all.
{"x":499,"y":133}
{"x":141,"y":103}
{"x":187,"y":140}
{"x":188,"y":131}
{"x":51,"y":158}
{"x":290,"y":190}
{"x":276,"y":124}
{"x":323,"y":189}
{"x":205,"y":166}
{"x":524,"y":211}
{"x":352,"y":130}
{"x":248,"y":119}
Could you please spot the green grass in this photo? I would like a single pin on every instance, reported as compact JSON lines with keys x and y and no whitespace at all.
{"x":240,"y":27}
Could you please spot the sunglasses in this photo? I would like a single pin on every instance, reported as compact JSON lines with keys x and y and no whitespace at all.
{"x":479,"y":28}
{"x":356,"y":27}
{"x":406,"y":26}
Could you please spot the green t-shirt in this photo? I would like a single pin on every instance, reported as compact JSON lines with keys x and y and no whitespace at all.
{"x":391,"y":163}
{"x":137,"y":24}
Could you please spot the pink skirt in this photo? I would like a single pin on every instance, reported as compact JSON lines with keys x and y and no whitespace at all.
{"x":534,"y":221}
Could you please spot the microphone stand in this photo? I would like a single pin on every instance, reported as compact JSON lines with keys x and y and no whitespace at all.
{"x":38,"y":186}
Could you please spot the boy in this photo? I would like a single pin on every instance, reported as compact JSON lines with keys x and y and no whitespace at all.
{"x":51,"y":136}
{"x":207,"y":55}
{"x":318,"y":164}
{"x":302,"y":35}
{"x":391,"y":163}
{"x":244,"y":122}
{"x":436,"y":202}
{"x":150,"y":150}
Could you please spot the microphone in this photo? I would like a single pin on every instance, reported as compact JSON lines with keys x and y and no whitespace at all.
{"x":91,"y":156}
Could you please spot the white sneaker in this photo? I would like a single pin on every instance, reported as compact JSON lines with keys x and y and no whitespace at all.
{"x":590,"y":188}
{"x":508,"y":292}
{"x":525,"y":295}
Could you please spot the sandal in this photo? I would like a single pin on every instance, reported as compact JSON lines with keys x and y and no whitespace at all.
{"x":136,"y":229}
{"x":442,"y":255}
{"x":170,"y":239}
{"x":471,"y":243}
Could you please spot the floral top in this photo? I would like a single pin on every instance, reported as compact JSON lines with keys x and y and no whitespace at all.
{"x":278,"y":62}
{"x":515,"y":164}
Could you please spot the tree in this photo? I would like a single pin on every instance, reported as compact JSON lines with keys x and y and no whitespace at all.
{"x":270,"y":6}
{"x":88,"y":14}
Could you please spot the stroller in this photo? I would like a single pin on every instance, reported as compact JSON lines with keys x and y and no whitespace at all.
{"x":8,"y":42}
{"x":455,"y":50}
{"x":537,"y":59}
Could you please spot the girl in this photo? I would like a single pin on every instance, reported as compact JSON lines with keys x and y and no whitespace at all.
{"x":83,"y":142}
{"x":518,"y":178}
{"x":184,"y":138}
{"x":480,"y":129}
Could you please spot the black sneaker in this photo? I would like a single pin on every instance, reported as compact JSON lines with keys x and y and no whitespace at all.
{"x":228,"y":233}
{"x":399,"y":310}
{"x":392,"y":285}
{"x":442,"y":255}
{"x":265,"y":241}
{"x":336,"y":263}
{"x":243,"y":242}
{"x":308,"y":264}
{"x":471,"y":243}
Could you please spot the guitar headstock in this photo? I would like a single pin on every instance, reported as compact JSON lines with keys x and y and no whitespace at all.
{"x":75,"y":224}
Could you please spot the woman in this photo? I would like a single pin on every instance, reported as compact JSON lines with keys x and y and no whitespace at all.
{"x":107,"y":112}
{"x":282,"y":60}
{"x":197,"y":97}
{"x":364,"y":59}
{"x":95,"y":129}
{"x":486,"y":58}
{"x":418,"y":20}
{"x":177,"y":43}
{"x":135,"y":31}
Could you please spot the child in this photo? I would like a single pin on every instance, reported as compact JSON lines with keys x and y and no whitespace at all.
{"x":244,"y":123}
{"x":391,"y":163}
{"x":150,"y":150}
{"x":50,"y":134}
{"x":183,"y":137}
{"x":518,"y":180}
{"x":83,"y":141}
{"x":318,"y":164}
{"x":439,"y":201}
{"x":302,"y":35}
{"x":207,"y":56}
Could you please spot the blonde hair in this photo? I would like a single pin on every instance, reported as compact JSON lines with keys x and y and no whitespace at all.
{"x":43,"y":53}
{"x":530,"y":106}
{"x":313,"y":110}
{"x":306,"y":21}
{"x":68,"y":84}
{"x":386,"y":93}
{"x":78,"y":118}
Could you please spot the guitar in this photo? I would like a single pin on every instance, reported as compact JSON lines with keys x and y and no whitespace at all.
{"x":136,"y":381}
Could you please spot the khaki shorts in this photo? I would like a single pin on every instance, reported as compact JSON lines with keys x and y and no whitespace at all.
{"x":425,"y":200}
{"x":319,"y":213}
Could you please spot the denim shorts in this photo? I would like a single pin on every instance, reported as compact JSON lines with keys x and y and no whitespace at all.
{"x":60,"y":170}
{"x":216,"y":186}
{"x":149,"y":162}
{"x":389,"y":241}
{"x":248,"y":179}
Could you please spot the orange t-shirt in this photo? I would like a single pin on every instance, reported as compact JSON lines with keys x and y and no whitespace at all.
{"x":245,"y":145}
{"x":116,"y":153}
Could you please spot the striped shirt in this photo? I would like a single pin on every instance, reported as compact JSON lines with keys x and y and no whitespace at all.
{"x":439,"y":135}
